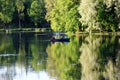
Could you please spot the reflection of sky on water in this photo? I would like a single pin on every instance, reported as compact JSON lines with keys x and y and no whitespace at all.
{"x":20,"y":74}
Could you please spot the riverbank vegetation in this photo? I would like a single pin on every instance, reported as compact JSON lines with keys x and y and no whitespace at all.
{"x":61,"y":15}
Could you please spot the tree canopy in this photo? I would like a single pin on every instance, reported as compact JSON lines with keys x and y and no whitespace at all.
{"x":99,"y":14}
{"x":37,"y":12}
{"x":63,"y":18}
{"x":6,"y":11}
{"x":62,"y":15}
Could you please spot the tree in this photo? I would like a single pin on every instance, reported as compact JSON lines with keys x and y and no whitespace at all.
{"x":100,"y":14}
{"x":88,"y":14}
{"x":49,"y":5}
{"x":37,"y":12}
{"x":63,"y":18}
{"x":20,"y":7}
{"x":6,"y":11}
{"x":107,"y":16}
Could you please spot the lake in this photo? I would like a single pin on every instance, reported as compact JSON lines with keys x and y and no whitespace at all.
{"x":32,"y":56}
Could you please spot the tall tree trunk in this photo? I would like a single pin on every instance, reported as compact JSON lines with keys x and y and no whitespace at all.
{"x":19,"y":19}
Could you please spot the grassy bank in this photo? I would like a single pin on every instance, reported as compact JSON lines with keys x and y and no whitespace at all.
{"x":50,"y":30}
{"x":26,"y":30}
{"x":99,"y":33}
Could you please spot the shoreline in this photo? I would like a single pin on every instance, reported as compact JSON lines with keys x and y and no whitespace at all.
{"x":99,"y":33}
{"x":40,"y":30}
{"x":25,"y":30}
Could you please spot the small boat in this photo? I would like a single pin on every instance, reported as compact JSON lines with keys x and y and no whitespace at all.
{"x":60,"y":40}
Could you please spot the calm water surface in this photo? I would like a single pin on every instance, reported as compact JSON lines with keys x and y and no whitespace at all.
{"x":31,"y":56}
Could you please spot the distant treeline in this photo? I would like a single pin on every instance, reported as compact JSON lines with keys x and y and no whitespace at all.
{"x":62,"y":15}
{"x":22,"y":13}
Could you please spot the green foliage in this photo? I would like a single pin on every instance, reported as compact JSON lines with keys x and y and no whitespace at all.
{"x":102,"y":15}
{"x":107,"y":17}
{"x":63,"y":18}
{"x":49,"y":5}
{"x":63,"y":15}
{"x":6,"y":11}
{"x":20,"y":7}
{"x":37,"y":12}
{"x":72,"y":23}
{"x":88,"y":14}
{"x":22,"y":13}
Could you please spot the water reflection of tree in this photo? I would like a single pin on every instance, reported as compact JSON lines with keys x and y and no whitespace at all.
{"x":89,"y":58}
{"x":39,"y":55}
{"x":6,"y":44}
{"x":113,"y":67}
{"x":63,"y":60}
{"x":22,"y":61}
{"x":35,"y":54}
{"x":98,"y":58}
{"x":6,"y":47}
{"x":29,"y":50}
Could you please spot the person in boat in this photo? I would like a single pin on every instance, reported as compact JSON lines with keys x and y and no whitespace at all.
{"x":53,"y":38}
{"x":57,"y":34}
